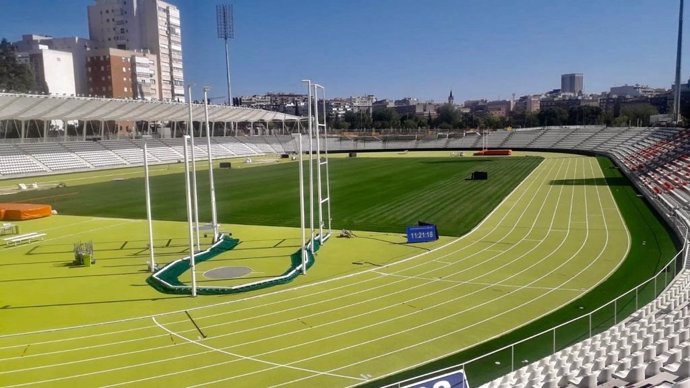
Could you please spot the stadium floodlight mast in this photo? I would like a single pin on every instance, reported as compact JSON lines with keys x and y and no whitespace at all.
{"x":194,"y":191}
{"x":214,"y":218}
{"x":226,"y":31}
{"x":152,"y":263}
{"x":190,"y":216}
{"x":676,"y":97}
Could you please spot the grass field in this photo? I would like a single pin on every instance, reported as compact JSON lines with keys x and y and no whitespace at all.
{"x":365,"y":194}
{"x":553,"y":238}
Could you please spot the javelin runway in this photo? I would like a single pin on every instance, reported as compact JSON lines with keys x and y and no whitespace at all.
{"x":554,"y":238}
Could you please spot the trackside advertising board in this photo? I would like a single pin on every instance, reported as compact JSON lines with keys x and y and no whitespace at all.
{"x":454,"y":379}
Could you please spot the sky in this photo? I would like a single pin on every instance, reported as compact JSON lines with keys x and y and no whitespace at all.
{"x":406,"y":48}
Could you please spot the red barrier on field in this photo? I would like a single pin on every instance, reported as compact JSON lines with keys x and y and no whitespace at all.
{"x":23,"y":211}
{"x":493,"y":152}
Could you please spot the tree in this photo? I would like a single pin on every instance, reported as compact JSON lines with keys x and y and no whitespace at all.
{"x":447,"y":114}
{"x":14,"y":76}
{"x":638,"y":114}
{"x":585,"y":115}
{"x":386,"y":118}
{"x":553,"y":116}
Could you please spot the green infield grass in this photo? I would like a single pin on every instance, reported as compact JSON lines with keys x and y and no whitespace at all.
{"x":539,"y":234}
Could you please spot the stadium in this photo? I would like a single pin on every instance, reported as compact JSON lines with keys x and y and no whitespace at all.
{"x":565,"y":267}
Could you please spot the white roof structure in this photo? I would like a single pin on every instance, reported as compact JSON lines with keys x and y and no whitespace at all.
{"x":41,"y":107}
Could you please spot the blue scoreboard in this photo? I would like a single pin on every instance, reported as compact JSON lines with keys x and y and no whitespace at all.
{"x":422,"y":233}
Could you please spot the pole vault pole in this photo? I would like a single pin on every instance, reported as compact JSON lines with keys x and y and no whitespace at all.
{"x":192,"y":261}
{"x":152,"y":263}
{"x":301,"y":205}
{"x":311,"y":170}
{"x":194,"y":191}
{"x":212,"y":187}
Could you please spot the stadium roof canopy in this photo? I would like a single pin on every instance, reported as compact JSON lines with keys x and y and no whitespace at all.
{"x":41,"y":107}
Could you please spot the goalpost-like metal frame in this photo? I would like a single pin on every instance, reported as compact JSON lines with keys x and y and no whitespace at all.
{"x":317,"y":128}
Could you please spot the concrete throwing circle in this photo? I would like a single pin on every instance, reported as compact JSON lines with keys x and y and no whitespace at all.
{"x":227,"y":272}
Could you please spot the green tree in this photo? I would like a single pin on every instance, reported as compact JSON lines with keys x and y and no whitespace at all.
{"x":585,"y":115}
{"x":386,"y":118}
{"x":553,"y":116}
{"x":448,"y":114}
{"x":14,"y":76}
{"x":638,"y":114}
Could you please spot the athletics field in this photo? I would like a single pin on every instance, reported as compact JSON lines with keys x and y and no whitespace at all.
{"x":371,"y":306}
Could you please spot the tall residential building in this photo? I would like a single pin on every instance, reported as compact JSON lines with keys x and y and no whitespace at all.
{"x":119,"y":73}
{"x":572,"y":83}
{"x":152,"y":25}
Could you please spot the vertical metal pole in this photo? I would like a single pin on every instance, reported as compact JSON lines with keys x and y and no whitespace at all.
{"x":554,"y":341}
{"x":301,"y":205}
{"x":512,"y":358}
{"x":189,"y":215}
{"x":318,"y":157}
{"x":328,"y":178}
{"x":590,"y":324}
{"x":194,"y":190}
{"x":311,"y":172}
{"x":676,"y":99}
{"x":615,"y":311}
{"x":637,"y":292}
{"x":227,"y":70}
{"x":152,"y":264}
{"x":212,"y":187}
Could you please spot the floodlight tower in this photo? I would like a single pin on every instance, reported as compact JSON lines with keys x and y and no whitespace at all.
{"x":226,"y":31}
{"x":676,"y":97}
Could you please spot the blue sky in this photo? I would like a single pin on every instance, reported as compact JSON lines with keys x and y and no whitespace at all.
{"x":396,"y":48}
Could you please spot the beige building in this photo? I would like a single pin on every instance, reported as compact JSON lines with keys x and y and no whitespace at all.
{"x":151,"y":25}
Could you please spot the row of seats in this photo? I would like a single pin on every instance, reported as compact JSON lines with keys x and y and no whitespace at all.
{"x":649,"y":348}
{"x":21,"y":159}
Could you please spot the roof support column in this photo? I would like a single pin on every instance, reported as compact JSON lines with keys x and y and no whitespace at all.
{"x":102,"y":129}
{"x":83,"y":131}
{"x":23,"y":132}
{"x":64,"y":124}
{"x":45,"y":130}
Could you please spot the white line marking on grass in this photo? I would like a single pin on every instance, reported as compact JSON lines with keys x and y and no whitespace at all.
{"x":446,"y":280}
{"x":249,"y":358}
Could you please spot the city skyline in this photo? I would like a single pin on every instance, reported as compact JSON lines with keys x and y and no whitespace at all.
{"x":394,"y":49}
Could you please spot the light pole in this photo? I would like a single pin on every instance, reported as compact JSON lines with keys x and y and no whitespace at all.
{"x":676,"y":99}
{"x":226,"y":31}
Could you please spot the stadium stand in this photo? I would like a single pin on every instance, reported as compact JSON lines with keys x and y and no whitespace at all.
{"x":95,"y":154}
{"x":126,"y":150}
{"x":14,"y":161}
{"x":54,"y":156}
